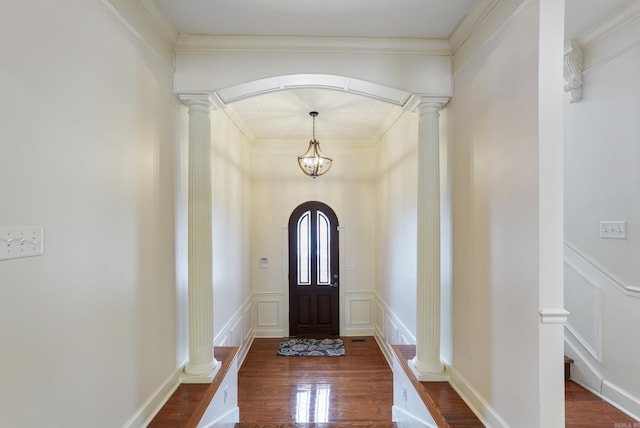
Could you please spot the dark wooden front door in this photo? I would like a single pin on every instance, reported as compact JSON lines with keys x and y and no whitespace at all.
{"x":313,"y":271}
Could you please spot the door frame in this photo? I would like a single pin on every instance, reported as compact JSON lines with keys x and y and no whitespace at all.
{"x":285,"y":266}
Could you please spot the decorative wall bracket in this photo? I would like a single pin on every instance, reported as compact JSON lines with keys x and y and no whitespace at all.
{"x":573,"y":72}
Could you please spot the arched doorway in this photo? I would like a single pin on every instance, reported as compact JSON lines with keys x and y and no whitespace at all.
{"x":314,"y":298}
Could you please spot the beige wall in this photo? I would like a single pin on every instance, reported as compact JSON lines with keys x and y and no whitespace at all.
{"x":278,"y":187}
{"x":87,"y":331}
{"x":494,"y":135}
{"x":396,"y":227}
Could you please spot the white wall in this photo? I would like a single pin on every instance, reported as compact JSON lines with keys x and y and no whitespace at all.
{"x":278,"y":187}
{"x":602,"y":178}
{"x":231,"y":223}
{"x":495,"y":127}
{"x":87,"y":331}
{"x":396,"y":227}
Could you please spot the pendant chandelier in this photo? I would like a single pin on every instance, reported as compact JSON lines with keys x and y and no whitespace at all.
{"x":313,"y":162}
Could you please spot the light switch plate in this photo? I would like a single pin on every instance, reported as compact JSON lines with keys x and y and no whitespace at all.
{"x":20,"y":241}
{"x":613,"y":229}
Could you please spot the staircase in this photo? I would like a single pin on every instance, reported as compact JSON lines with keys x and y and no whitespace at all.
{"x":567,"y":368}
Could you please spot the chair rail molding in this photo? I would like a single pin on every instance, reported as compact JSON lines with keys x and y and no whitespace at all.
{"x":593,"y":272}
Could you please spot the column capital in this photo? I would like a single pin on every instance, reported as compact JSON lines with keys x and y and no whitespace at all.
{"x":420,"y":103}
{"x":209,"y":100}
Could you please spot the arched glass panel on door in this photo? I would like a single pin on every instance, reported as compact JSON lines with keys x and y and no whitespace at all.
{"x":304,"y":249}
{"x":324,"y":243}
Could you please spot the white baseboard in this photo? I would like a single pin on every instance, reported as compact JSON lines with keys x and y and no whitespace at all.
{"x":478,"y":405}
{"x":228,"y":420}
{"x":154,"y":403}
{"x":405,"y":419}
{"x":585,"y":373}
{"x":621,"y":399}
{"x":353,"y":331}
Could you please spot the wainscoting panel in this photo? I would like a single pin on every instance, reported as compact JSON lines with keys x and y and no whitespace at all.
{"x":238,"y":331}
{"x":269,"y":315}
{"x":359,"y":313}
{"x":247,"y":322}
{"x":588,"y":288}
{"x":231,"y":333}
{"x":583,"y":300}
{"x":389,"y":330}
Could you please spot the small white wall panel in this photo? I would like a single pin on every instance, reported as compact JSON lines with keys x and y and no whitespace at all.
{"x":269,"y":315}
{"x":359,"y":307}
{"x":583,"y":301}
{"x":247,"y":321}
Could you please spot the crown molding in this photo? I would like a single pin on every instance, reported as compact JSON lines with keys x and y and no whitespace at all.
{"x":611,"y":38}
{"x":486,"y":21}
{"x":145,"y":22}
{"x":469,"y":23}
{"x":159,"y":20}
{"x":405,"y":46}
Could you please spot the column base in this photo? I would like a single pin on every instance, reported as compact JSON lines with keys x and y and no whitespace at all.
{"x":428,"y":373}
{"x":200,"y":374}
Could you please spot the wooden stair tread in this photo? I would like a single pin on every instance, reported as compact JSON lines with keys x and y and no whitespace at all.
{"x":189,"y":401}
{"x":567,"y":367}
{"x":446,"y":406}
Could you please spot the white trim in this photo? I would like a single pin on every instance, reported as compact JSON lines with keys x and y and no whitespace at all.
{"x":306,"y":44}
{"x":143,"y":416}
{"x":139,"y":22}
{"x":407,"y":419}
{"x":594,"y":273}
{"x":470,"y":22}
{"x":389,"y":330}
{"x":227,"y":420}
{"x":583,"y":371}
{"x":621,"y":399}
{"x":226,"y":333}
{"x":239,"y":330}
{"x":306,"y":80}
{"x":267,"y":328}
{"x":595,"y":353}
{"x":553,"y":316}
{"x":363,"y":327}
{"x":159,"y":20}
{"x":478,"y":405}
{"x":596,"y":349}
{"x":585,"y":374}
{"x":613,"y":38}
{"x":497,"y":16}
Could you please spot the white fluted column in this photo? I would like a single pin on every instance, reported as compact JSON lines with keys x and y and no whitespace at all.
{"x":426,"y":365}
{"x":202,"y":365}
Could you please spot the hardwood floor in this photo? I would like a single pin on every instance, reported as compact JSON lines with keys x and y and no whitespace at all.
{"x":585,"y":410}
{"x":355,"y":390}
{"x":352,"y":391}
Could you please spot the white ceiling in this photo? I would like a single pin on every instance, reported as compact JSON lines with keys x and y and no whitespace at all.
{"x":344,"y":18}
{"x":283,"y":116}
